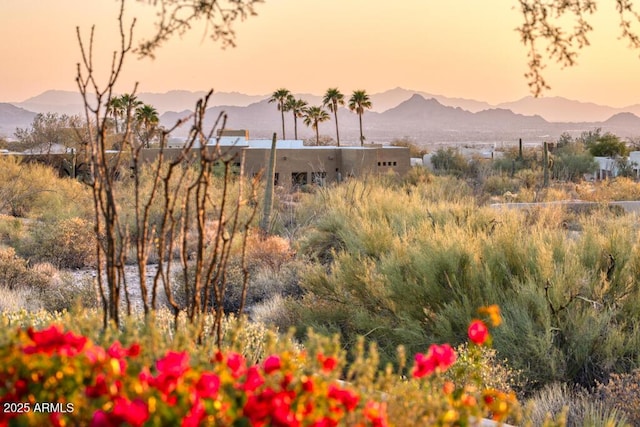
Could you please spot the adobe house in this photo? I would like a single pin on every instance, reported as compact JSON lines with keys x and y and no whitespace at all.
{"x":297,"y":164}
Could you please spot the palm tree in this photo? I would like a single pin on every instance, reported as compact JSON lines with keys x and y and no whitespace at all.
{"x":129,"y":105}
{"x":280,"y":96}
{"x":331,"y":100}
{"x":358,"y":102}
{"x":115,"y":107}
{"x":147,"y":118}
{"x":297,"y":107}
{"x":313,"y":116}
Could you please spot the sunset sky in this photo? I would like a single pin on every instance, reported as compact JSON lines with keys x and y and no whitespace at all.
{"x":457,"y":48}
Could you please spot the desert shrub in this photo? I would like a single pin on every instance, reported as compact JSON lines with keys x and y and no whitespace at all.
{"x":12,"y":300}
{"x":16,"y":274}
{"x":498,"y":185}
{"x":580,"y":407}
{"x":68,"y":243}
{"x":449,"y":160}
{"x":414,"y":149}
{"x":41,"y":287}
{"x":405,"y":269}
{"x":267,"y":252}
{"x":572,"y":161}
{"x":494,"y":373}
{"x":614,"y":189}
{"x":264,"y":283}
{"x":62,"y":292}
{"x":35,"y":190}
{"x":417,"y":175}
{"x":11,"y":229}
{"x":274,"y":311}
{"x":623,"y":392}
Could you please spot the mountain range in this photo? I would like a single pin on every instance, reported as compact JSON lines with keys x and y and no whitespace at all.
{"x":396,"y":113}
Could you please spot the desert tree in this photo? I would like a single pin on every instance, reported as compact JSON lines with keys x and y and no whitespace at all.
{"x":280,"y":97}
{"x":193,"y":203}
{"x":332,"y":99}
{"x":50,"y":129}
{"x":313,"y":116}
{"x":358,"y":102}
{"x":297,"y":107}
{"x":147,"y":121}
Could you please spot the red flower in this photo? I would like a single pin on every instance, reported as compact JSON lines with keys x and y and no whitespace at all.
{"x":328,"y":363}
{"x":116,"y":350}
{"x":99,"y":389}
{"x":195,"y":415}
{"x":133,"y":412}
{"x":208,"y":385}
{"x":307,"y":384}
{"x":258,"y":407}
{"x":173,"y":364}
{"x":424,"y":365}
{"x":346,"y":397}
{"x":439,"y":357}
{"x":237,"y":364}
{"x":52,"y":340}
{"x":272,"y":364}
{"x":253,"y":379}
{"x":124,"y":411}
{"x":478,"y":332}
{"x":445,"y":356}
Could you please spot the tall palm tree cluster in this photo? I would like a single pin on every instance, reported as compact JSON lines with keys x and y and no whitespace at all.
{"x":135,"y":116}
{"x":314,"y":115}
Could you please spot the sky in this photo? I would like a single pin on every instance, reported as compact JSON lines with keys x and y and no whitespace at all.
{"x":456,"y":48}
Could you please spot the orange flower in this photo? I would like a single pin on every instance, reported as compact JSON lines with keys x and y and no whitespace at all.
{"x":493,"y":311}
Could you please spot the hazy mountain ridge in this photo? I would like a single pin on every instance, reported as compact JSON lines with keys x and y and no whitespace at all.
{"x":419,"y":115}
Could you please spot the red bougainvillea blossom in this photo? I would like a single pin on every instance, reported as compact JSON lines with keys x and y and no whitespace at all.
{"x":478,"y":332}
{"x":439,"y":357}
{"x":53,"y":340}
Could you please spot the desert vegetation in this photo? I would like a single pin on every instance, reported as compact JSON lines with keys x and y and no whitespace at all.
{"x":382,"y":300}
{"x":391,"y":262}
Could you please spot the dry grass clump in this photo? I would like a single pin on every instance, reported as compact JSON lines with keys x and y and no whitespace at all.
{"x":41,"y":286}
{"x":581,"y":408}
{"x":616,"y":189}
{"x":623,"y":392}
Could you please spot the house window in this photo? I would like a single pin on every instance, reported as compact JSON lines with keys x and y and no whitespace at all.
{"x":299,"y":178}
{"x":395,"y":163}
{"x":379,"y":163}
{"x":276,"y":178}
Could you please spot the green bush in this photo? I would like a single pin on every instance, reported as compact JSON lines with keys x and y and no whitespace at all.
{"x":571,"y":162}
{"x":406,"y":269}
{"x":450,"y":160}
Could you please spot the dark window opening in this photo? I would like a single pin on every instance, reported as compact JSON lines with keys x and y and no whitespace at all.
{"x":299,"y":178}
{"x":276,"y":178}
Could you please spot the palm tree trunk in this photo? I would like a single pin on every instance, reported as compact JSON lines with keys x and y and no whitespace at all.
{"x":335,"y":113}
{"x":295,"y":126}
{"x":317,"y":135}
{"x":361,"y":136}
{"x":282,"y":112}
